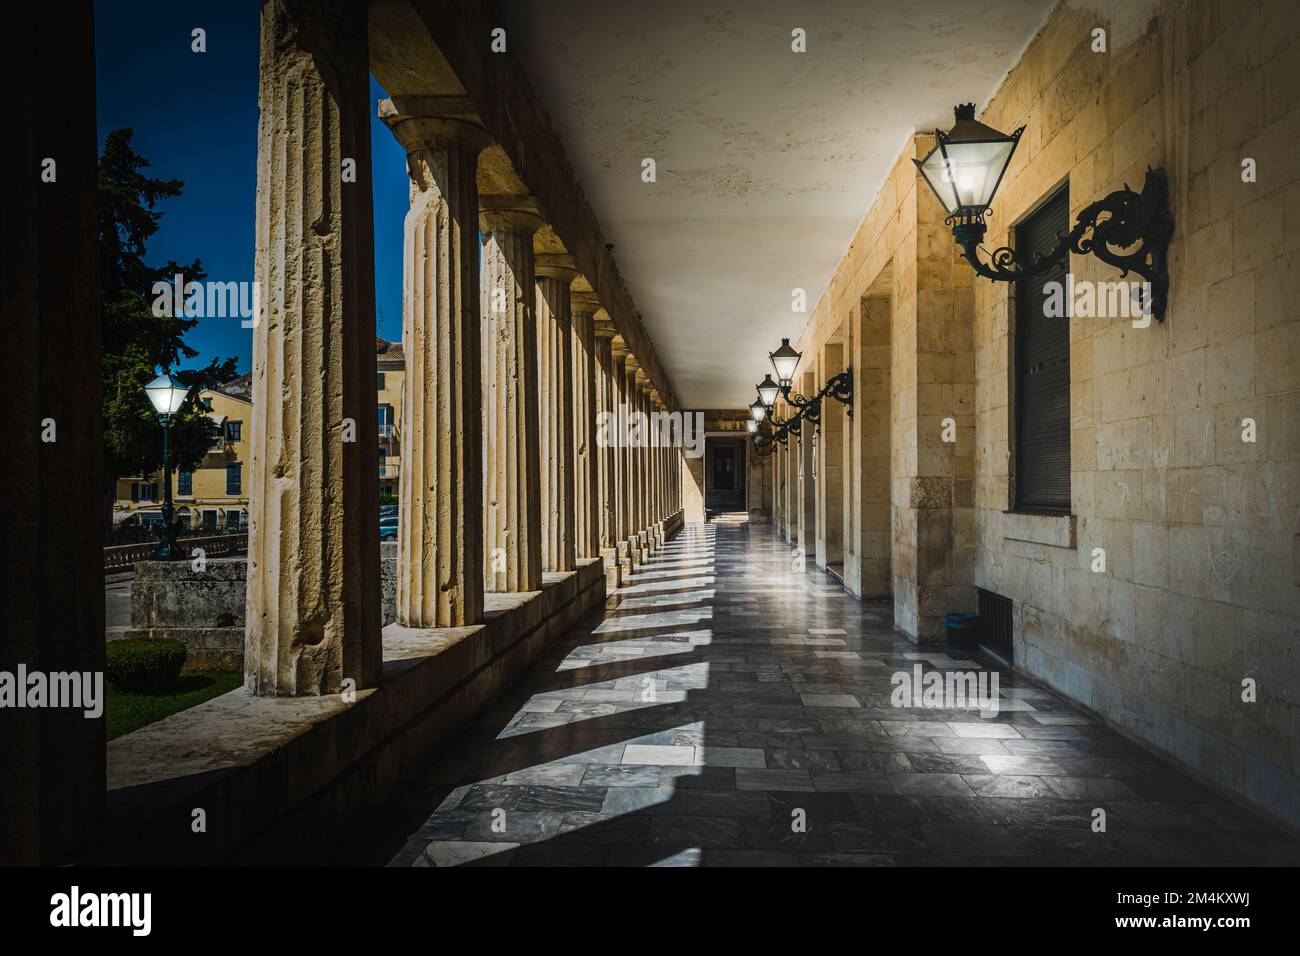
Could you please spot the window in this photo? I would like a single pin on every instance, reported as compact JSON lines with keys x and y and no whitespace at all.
{"x":1042,"y":370}
{"x":233,"y":431}
{"x":381,"y":381}
{"x":385,"y":420}
{"x":234,"y":478}
{"x":185,"y":483}
{"x":149,"y":491}
{"x":210,"y":520}
{"x":232,"y":520}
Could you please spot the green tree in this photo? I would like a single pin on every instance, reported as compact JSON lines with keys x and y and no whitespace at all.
{"x":136,"y":340}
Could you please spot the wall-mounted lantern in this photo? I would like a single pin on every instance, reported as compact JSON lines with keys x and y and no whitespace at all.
{"x":965,"y":169}
{"x":785,"y":361}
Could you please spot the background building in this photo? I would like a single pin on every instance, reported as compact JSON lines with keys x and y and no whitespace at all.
{"x":214,"y":496}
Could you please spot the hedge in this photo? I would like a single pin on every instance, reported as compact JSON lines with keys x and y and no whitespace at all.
{"x":144,"y":664}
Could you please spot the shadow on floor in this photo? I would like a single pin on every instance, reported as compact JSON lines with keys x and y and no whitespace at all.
{"x":742,"y":716}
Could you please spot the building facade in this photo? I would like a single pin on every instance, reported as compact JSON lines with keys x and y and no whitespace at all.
{"x":213,"y":496}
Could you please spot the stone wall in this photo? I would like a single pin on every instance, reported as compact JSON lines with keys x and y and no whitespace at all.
{"x":204,"y":610}
{"x":1198,"y":526}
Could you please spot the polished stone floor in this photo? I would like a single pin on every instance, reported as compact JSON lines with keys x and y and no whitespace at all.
{"x":727,"y":709}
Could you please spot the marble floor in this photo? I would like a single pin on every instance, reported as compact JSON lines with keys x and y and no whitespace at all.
{"x":727,"y":709}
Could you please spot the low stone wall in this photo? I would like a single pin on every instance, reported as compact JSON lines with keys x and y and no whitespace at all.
{"x":204,"y":610}
{"x":280,"y":780}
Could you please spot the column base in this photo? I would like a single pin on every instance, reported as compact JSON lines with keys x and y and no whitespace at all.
{"x":613,"y":569}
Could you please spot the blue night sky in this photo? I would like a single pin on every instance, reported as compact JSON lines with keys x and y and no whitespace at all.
{"x":195,"y":119}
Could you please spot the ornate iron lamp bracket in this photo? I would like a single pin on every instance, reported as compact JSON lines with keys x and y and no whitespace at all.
{"x":1118,"y":221}
{"x":838,"y":387}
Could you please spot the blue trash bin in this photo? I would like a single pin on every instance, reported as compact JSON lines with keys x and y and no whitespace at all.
{"x":962,"y":631}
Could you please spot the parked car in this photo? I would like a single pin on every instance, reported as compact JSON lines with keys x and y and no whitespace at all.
{"x":388,"y":528}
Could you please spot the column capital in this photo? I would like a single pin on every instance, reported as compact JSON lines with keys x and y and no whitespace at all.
{"x":556,"y":265}
{"x":508,"y":213}
{"x":583,"y":302}
{"x":422,"y":122}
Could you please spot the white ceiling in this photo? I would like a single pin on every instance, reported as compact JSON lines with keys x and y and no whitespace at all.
{"x":766,"y":160}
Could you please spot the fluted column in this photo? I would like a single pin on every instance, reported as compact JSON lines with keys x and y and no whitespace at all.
{"x":652,"y":465}
{"x":313,"y":615}
{"x":644,"y":519}
{"x":555,"y":273}
{"x":440,"y":497}
{"x":634,"y":480}
{"x":607,"y":471}
{"x":661,"y":487}
{"x":511,"y":476}
{"x":622,"y":465}
{"x":585,"y":484}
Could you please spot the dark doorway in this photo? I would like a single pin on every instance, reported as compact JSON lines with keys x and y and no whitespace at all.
{"x":724,"y":469}
{"x":724,"y":473}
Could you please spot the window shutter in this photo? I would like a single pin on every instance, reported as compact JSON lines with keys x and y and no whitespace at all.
{"x":1042,"y":370}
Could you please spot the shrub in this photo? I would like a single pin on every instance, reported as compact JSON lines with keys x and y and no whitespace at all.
{"x":144,"y":664}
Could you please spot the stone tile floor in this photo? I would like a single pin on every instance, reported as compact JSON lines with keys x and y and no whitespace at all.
{"x":722,"y":699}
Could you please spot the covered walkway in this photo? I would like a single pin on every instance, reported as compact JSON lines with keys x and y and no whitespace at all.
{"x":722,"y":699}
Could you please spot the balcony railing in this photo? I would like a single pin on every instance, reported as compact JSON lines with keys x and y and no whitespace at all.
{"x":127,"y":555}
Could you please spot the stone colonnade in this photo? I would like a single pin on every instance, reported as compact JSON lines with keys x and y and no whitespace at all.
{"x":518,"y":386}
{"x":510,"y":374}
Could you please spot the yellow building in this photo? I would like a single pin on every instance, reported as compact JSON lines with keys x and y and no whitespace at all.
{"x":213,"y":496}
{"x":391,"y":367}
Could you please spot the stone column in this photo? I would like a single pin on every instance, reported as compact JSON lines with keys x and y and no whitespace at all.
{"x":586,"y":512}
{"x":440,"y":526}
{"x":511,"y":479}
{"x":53,"y":514}
{"x":607,"y":471}
{"x":555,"y":273}
{"x":622,"y":493}
{"x":656,"y":468}
{"x":635,"y":481}
{"x":313,"y":545}
{"x":647,"y":455}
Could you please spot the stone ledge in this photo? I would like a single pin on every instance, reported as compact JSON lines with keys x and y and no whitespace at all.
{"x":1057,"y":531}
{"x":280,"y":779}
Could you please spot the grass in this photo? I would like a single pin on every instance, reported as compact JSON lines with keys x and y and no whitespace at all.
{"x":126,"y":711}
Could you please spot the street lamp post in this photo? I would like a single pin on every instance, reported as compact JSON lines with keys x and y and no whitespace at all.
{"x":167,"y":395}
